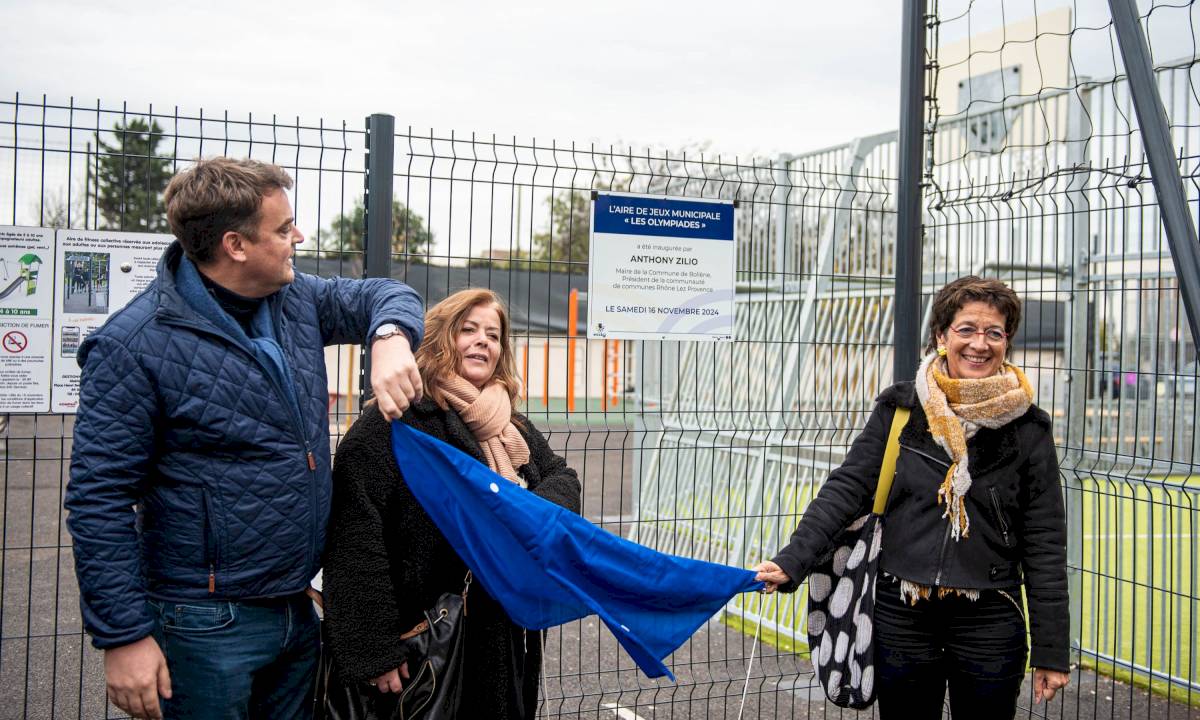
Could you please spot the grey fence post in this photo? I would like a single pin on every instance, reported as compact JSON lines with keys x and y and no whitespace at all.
{"x":1164,"y":169}
{"x":1076,"y":253}
{"x":377,"y":221}
{"x":907,"y":310}
{"x":784,"y":257}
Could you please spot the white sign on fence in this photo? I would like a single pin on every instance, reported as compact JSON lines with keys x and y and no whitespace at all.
{"x":99,"y":273}
{"x":26,"y":316}
{"x":661,"y":268}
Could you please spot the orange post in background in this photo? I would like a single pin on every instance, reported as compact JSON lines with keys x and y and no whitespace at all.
{"x":603,"y":371}
{"x":572,"y":320}
{"x":351,"y":379}
{"x":616,"y":373}
{"x":525,"y":372}
{"x":546,"y":373}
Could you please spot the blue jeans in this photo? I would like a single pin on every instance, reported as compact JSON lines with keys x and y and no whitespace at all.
{"x":239,"y":660}
{"x":976,"y":648}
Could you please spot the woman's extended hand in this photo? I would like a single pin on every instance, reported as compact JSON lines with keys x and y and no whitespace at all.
{"x":771,"y":574}
{"x":390,"y":680}
{"x":1047,"y":682}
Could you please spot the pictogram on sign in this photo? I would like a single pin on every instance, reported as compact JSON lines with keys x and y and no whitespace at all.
{"x":15,"y":341}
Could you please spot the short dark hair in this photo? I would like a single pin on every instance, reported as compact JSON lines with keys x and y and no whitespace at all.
{"x":951,"y":298}
{"x":216,"y":196}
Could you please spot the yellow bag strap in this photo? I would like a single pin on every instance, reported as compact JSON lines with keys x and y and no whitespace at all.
{"x":887,"y":471}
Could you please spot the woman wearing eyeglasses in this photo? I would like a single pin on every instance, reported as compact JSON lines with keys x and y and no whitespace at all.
{"x":975,"y":512}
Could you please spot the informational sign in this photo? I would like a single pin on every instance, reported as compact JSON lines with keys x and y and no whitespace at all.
{"x":98,"y":273}
{"x":26,"y":316}
{"x":661,"y":268}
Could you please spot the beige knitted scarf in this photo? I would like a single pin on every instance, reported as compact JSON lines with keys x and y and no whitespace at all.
{"x":956,"y":409}
{"x":488,"y":413}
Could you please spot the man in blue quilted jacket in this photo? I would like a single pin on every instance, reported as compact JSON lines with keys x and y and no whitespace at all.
{"x":200,"y":475}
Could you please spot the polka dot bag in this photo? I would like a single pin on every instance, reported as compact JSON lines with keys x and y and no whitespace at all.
{"x":841,"y":596}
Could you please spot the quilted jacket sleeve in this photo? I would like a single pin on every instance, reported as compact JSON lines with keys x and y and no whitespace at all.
{"x":845,"y":495}
{"x":559,"y":483}
{"x":112,"y":455}
{"x":350,"y":310}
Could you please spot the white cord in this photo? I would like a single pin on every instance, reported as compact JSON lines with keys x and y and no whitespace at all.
{"x":750,"y":664}
{"x":543,"y":706}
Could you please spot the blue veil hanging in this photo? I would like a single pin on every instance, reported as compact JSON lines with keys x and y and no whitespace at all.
{"x":547,"y":566}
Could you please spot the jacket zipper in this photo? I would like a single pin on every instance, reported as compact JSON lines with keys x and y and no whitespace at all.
{"x":937,"y":580}
{"x":926,"y":455}
{"x":293,"y":412}
{"x":309,"y":459}
{"x":285,"y":342}
{"x":999,"y":515}
{"x":210,"y":541}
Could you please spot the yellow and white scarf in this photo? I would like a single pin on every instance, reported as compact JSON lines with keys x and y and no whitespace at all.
{"x":956,"y":409}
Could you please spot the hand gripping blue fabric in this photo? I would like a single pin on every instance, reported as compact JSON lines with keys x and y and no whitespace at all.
{"x":546,"y":565}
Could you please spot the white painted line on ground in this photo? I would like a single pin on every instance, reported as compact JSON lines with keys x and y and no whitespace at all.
{"x":610,"y":519}
{"x":622,"y":713}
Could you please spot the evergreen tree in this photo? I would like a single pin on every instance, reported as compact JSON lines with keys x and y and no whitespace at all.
{"x":130,"y":178}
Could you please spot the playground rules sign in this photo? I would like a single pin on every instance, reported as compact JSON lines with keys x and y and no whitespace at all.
{"x":99,"y":273}
{"x":56,"y":286}
{"x":661,"y":268}
{"x":26,"y":315}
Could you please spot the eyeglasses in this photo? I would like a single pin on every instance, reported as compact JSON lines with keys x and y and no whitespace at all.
{"x":993,"y":335}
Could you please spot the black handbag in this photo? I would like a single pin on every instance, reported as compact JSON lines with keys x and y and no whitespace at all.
{"x":841,"y":596}
{"x":434,"y":651}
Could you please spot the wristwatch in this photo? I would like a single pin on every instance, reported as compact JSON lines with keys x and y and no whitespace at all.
{"x":386,"y":330}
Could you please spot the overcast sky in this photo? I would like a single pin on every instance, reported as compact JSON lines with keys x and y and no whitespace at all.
{"x":746,"y":77}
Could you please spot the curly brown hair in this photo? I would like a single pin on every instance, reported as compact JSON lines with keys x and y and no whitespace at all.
{"x":437,"y":357}
{"x":971,"y":288}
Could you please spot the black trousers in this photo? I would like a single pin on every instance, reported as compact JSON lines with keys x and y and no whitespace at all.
{"x":976,"y":647}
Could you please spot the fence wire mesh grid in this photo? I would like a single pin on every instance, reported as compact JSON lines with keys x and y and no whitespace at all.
{"x":1037,"y":170}
{"x":1034,"y":173}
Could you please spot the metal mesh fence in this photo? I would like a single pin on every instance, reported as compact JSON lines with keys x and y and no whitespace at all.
{"x":1037,"y":172}
{"x":531,"y":202}
{"x":468,"y":211}
{"x":1033,"y":174}
{"x":50,"y":156}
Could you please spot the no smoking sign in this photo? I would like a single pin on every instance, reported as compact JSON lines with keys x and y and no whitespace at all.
{"x":14,"y":342}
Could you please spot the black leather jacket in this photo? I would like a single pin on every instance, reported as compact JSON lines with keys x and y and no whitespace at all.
{"x":1015,"y":505}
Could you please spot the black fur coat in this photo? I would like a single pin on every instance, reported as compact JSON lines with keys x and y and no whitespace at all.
{"x":385,"y":562}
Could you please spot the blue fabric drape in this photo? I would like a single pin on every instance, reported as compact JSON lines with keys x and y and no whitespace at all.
{"x":547,"y":566}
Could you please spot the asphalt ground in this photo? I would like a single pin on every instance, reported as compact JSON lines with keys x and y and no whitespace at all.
{"x":49,"y":670}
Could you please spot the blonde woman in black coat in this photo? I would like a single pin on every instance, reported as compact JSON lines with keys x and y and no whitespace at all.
{"x":386,"y":561}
